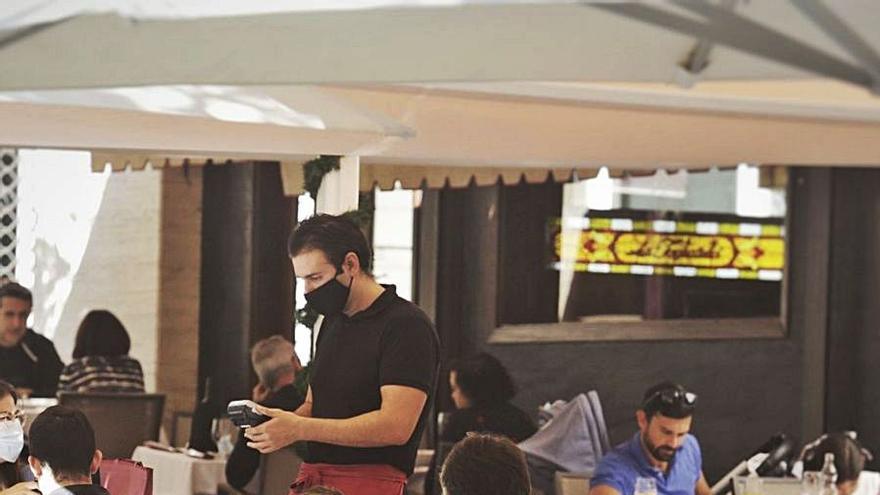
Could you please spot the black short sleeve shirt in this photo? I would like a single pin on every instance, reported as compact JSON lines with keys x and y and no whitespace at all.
{"x":390,"y":343}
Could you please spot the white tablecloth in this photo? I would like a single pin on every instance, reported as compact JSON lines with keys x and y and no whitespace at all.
{"x":178,"y":474}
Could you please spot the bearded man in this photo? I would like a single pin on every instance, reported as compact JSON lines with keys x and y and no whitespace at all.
{"x":663,"y":450}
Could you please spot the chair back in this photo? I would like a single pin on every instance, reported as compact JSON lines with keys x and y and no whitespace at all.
{"x":126,"y":477}
{"x":573,"y":441}
{"x":121,"y":421}
{"x":572,"y":483}
{"x":278,"y":470}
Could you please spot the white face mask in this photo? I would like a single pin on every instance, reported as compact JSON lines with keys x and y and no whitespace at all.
{"x":46,"y":480}
{"x":11,"y":440}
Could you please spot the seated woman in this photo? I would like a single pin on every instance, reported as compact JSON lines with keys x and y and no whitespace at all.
{"x":849,"y":460}
{"x":481,"y":389}
{"x":15,"y":475}
{"x":101,"y":361}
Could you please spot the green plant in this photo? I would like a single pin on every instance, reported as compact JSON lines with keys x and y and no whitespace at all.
{"x":314,"y":171}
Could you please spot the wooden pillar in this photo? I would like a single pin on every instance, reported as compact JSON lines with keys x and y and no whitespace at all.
{"x":180,"y":235}
{"x":852,"y":384}
{"x":247,"y":285}
{"x":809,"y":242}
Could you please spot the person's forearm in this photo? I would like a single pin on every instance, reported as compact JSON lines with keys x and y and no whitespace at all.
{"x":373,"y":429}
{"x":702,"y":487}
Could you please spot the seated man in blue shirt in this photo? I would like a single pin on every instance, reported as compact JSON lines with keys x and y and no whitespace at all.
{"x":661,"y":450}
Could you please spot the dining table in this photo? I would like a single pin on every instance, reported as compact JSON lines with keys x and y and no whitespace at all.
{"x":176,"y":473}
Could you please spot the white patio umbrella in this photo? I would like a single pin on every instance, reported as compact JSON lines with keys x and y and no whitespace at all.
{"x":202,"y":121}
{"x":104,"y":43}
{"x":467,"y":83}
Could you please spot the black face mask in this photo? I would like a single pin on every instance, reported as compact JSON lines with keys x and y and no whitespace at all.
{"x":330,"y":298}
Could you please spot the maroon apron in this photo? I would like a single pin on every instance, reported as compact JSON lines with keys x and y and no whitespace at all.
{"x":354,"y":479}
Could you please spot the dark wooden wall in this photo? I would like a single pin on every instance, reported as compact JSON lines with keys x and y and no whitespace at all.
{"x":247,"y":281}
{"x":853,"y":382}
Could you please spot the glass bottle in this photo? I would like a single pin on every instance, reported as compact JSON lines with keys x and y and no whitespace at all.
{"x":829,"y":476}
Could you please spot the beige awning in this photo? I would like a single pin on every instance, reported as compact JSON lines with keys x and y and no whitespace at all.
{"x":413,"y":177}
{"x":384,"y":177}
{"x":119,"y":161}
{"x":390,"y":176}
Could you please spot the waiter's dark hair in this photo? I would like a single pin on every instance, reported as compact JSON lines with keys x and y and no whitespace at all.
{"x":333,"y":235}
{"x":16,"y":291}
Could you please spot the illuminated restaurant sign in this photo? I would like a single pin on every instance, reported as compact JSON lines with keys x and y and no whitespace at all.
{"x":753,"y":251}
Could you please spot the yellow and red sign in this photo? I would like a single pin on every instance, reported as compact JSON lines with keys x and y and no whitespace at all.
{"x":661,"y":247}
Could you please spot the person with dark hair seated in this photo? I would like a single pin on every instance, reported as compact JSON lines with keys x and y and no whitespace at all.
{"x":849,"y":459}
{"x":63,"y":456}
{"x":662,"y":450}
{"x":15,"y":476}
{"x":481,"y":389}
{"x":28,"y":360}
{"x":101,"y":361}
{"x":485,"y":465}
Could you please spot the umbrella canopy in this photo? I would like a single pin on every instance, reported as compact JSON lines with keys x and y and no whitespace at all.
{"x":92,"y":43}
{"x":209,"y":121}
{"x":449,"y":83}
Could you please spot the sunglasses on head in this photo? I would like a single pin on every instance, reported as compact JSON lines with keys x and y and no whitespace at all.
{"x":672,"y":397}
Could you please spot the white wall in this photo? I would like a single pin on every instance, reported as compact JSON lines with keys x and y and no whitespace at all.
{"x":88,"y":241}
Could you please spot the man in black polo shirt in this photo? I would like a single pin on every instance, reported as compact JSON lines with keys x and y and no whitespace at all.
{"x":373,"y":376}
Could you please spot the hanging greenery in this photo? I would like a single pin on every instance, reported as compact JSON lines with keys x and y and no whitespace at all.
{"x":315,"y":170}
{"x":363,"y":216}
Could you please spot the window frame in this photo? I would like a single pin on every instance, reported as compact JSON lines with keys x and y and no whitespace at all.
{"x":679,"y":329}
